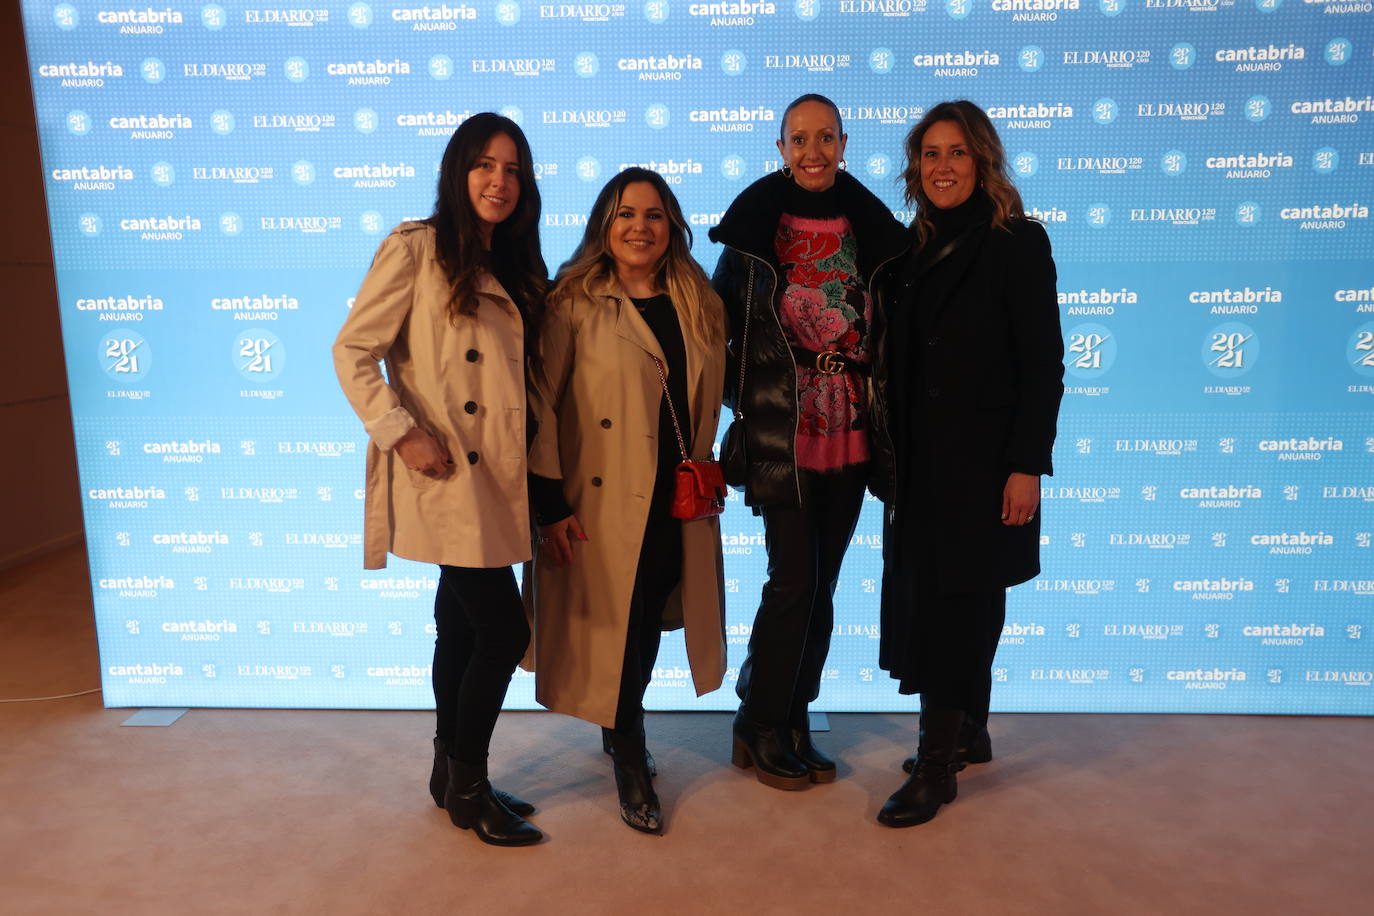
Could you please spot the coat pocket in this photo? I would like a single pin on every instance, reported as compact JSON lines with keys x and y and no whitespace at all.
{"x":417,"y":480}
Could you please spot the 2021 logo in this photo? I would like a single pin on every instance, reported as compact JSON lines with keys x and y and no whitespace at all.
{"x":258,"y":355}
{"x":1230,"y":349}
{"x":126,"y":356}
{"x":1089,"y":350}
{"x":1360,"y":349}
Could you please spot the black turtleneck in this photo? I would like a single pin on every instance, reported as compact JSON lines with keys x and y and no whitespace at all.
{"x":950,"y":223}
{"x":818,"y":204}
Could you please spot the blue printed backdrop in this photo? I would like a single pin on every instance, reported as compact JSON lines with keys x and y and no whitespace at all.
{"x":218,"y":177}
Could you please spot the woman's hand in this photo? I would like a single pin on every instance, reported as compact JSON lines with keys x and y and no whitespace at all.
{"x":1020,"y":498}
{"x":555,"y":540}
{"x":422,"y":452}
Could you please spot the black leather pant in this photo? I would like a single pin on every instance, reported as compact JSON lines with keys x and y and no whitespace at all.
{"x":791,"y":636}
{"x":481,"y":635}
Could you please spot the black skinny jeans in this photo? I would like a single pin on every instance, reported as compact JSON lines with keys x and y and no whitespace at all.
{"x":481,"y":635}
{"x":658,"y":572}
{"x":791,"y":636}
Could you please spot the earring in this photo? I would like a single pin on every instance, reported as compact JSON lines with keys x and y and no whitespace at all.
{"x":844,"y":165}
{"x":786,"y":171}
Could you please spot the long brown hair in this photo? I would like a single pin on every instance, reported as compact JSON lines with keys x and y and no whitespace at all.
{"x":988,"y":157}
{"x":677,"y":272}
{"x":515,"y":259}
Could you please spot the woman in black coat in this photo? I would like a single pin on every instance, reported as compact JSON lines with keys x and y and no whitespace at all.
{"x":968,"y":380}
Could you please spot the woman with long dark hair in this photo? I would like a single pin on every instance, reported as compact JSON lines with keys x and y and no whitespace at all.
{"x":628,"y":384}
{"x":801,"y":248}
{"x":451,"y":304}
{"x":960,"y":442}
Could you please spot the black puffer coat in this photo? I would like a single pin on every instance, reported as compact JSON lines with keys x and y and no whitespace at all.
{"x":770,"y":377}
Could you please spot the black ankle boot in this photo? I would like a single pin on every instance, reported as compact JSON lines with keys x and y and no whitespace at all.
{"x":649,"y":758}
{"x":975,"y":746}
{"x":932,"y":782}
{"x":821,"y":767}
{"x":768,"y":749}
{"x":438,"y":782}
{"x":638,"y":803}
{"x":472,"y":806}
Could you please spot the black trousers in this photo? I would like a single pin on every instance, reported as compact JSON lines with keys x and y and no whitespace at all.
{"x":481,"y":635}
{"x":791,"y":636}
{"x":657,"y":574}
{"x":964,"y":629}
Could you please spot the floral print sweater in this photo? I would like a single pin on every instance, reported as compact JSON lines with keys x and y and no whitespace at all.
{"x":825,"y":305}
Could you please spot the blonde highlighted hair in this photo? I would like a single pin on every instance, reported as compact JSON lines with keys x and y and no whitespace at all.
{"x":677,"y":272}
{"x":988,"y":157}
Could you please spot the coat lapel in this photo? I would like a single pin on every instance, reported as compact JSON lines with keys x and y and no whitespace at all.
{"x":499,"y":298}
{"x":629,"y":326}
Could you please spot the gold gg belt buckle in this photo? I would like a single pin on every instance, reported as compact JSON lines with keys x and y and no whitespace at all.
{"x":830,"y":362}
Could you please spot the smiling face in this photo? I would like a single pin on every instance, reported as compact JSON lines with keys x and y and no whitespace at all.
{"x":812,"y":145}
{"x":494,"y":184}
{"x":638,"y":236}
{"x":949,"y":172}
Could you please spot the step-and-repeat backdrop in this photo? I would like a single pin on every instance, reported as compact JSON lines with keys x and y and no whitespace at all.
{"x":218,"y":176}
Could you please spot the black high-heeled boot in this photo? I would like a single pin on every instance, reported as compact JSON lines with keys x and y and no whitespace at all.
{"x":932,"y":782}
{"x":606,"y":746}
{"x":472,"y":806}
{"x":438,"y":782}
{"x":820,"y":766}
{"x":768,"y":749}
{"x":638,"y":802}
{"x":975,"y":746}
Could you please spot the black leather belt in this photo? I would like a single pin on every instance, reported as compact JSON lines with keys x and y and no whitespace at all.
{"x":830,"y":362}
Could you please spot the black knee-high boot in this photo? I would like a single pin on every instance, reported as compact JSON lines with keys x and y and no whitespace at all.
{"x":932,"y":782}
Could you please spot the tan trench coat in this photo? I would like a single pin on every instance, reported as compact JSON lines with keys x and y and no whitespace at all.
{"x":596,"y":396}
{"x":463,"y":384}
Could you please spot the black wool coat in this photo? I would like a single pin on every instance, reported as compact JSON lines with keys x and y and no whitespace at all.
{"x":967,"y":385}
{"x":769,"y":404}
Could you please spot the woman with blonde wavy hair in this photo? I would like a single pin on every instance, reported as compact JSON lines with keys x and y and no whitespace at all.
{"x":628,"y":383}
{"x":970,"y":356}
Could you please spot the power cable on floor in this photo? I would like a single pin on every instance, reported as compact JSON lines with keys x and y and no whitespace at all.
{"x":60,"y":696}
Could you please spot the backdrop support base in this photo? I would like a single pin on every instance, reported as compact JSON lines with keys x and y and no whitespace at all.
{"x":154,"y":717}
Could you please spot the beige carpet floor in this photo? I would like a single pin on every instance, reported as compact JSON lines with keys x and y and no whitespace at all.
{"x":286,"y":811}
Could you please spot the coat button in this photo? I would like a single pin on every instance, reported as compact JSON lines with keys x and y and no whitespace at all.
{"x":596,"y":481}
{"x":934,"y":341}
{"x":605,"y":423}
{"x":933,"y":392}
{"x":473,"y":356}
{"x":470,"y":407}
{"x":472,"y":457}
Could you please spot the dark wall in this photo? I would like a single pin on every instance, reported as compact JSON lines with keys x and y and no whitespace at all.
{"x":40,"y":503}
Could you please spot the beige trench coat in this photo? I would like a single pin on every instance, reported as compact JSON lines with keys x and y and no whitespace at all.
{"x":596,"y":396}
{"x":463,"y":384}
